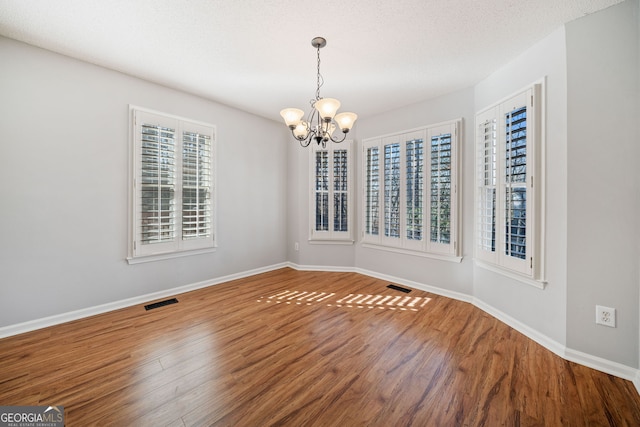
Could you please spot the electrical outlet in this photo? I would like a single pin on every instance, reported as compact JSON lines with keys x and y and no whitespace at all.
{"x":606,"y":316}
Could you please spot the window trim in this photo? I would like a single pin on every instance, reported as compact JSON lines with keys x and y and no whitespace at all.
{"x":180,"y":249}
{"x":535,"y":182}
{"x":424,"y":247}
{"x":331,"y":236}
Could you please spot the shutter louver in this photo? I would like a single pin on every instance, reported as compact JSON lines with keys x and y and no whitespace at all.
{"x":415,"y":188}
{"x":196,"y":185}
{"x":486,"y":209}
{"x":158,"y":186}
{"x":372,"y":203}
{"x":516,"y":177}
{"x":441,"y":188}
{"x":392,"y":190}
{"x":340,"y":191}
{"x":322,"y":191}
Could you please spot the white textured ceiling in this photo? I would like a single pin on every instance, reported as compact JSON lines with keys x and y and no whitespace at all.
{"x":256,"y":55}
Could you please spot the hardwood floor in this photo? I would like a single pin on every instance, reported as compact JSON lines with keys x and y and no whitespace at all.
{"x":297,"y":348}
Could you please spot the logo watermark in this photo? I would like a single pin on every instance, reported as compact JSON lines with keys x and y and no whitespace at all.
{"x":31,"y":416}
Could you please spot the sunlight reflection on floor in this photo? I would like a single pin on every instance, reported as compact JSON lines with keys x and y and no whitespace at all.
{"x":382,"y":302}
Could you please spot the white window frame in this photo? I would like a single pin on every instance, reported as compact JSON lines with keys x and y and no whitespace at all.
{"x":492,"y":228}
{"x":178,"y":245}
{"x":420,"y":243}
{"x":331,"y":235}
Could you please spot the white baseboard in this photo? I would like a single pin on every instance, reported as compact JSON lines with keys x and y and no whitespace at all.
{"x":412,"y":284}
{"x":525,"y":330}
{"x":604,"y":365}
{"x":588,"y":360}
{"x":398,"y":280}
{"x":594,"y":362}
{"x":334,"y":269}
{"x":57,"y":319}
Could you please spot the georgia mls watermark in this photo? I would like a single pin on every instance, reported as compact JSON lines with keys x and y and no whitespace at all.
{"x":31,"y":416}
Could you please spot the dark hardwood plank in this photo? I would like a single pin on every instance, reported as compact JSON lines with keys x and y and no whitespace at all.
{"x":306,"y":348}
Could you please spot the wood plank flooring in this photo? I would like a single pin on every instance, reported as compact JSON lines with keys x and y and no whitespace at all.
{"x":291,"y":348}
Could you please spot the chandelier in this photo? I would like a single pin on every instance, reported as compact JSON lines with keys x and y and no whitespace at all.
{"x":322,"y":120}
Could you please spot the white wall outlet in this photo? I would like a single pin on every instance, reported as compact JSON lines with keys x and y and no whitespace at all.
{"x":606,"y":316}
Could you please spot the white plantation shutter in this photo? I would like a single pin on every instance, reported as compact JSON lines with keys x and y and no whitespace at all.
{"x":514,"y":242}
{"x":516,"y":182}
{"x":507,"y":211}
{"x":172,"y":185}
{"x":408,"y":175}
{"x":443,"y":200}
{"x":440,"y":188}
{"x":413,"y":194}
{"x":331,"y":190}
{"x":486,"y":182}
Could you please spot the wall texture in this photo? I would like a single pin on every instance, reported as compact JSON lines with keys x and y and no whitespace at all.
{"x":603,"y":181}
{"x":64,"y":187}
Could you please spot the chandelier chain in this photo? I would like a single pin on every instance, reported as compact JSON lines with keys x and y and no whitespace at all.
{"x":320,"y":80}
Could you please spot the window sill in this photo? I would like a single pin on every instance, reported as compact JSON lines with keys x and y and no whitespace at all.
{"x":170,"y":255}
{"x":431,"y":255}
{"x":540,"y":284}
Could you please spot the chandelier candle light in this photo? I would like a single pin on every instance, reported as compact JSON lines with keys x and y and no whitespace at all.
{"x":322,"y":119}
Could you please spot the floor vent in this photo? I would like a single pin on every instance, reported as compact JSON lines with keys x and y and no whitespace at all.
{"x":399,"y":288}
{"x":160,"y":304}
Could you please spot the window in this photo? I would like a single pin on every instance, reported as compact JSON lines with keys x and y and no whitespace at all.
{"x":331,"y":193}
{"x":173,"y":186}
{"x":509,"y":185}
{"x":411,"y":190}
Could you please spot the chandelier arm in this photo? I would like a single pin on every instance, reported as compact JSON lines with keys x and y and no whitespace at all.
{"x":312,"y":115}
{"x":305,"y":143}
{"x":337,"y":141}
